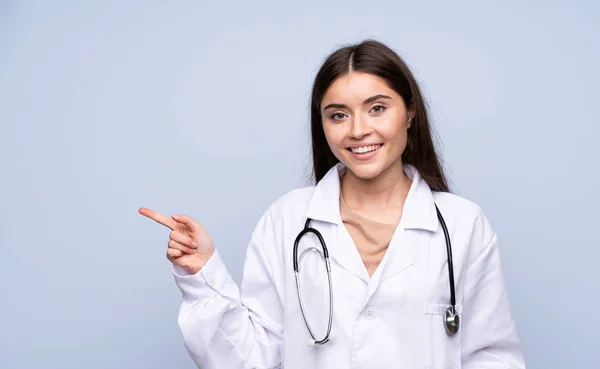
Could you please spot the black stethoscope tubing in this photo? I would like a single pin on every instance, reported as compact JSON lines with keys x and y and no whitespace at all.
{"x":451,"y":318}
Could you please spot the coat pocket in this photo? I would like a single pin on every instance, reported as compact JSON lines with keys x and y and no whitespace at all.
{"x":442,"y":351}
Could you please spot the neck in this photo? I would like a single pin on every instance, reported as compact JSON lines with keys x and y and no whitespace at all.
{"x":388,"y":190}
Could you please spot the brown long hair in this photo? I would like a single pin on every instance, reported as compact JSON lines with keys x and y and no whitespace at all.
{"x":375,"y":58}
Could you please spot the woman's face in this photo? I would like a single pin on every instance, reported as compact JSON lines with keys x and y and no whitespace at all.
{"x":365,"y":123}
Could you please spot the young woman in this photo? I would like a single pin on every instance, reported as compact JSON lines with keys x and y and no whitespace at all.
{"x":412,"y":276}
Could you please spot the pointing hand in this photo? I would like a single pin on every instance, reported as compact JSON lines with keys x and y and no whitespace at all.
{"x":189,"y":246}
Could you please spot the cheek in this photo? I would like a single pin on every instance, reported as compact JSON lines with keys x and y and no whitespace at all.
{"x":334,"y":137}
{"x":401,"y":139}
{"x":396,"y":133}
{"x":396,"y":140}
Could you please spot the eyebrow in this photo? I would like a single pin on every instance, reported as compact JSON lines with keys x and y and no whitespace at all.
{"x":367,"y":101}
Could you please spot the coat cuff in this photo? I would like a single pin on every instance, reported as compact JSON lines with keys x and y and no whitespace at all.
{"x":212,"y":279}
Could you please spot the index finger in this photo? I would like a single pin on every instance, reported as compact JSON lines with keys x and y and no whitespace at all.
{"x":159,"y":218}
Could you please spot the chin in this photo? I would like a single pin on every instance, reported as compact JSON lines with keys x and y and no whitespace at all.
{"x":365,"y":172}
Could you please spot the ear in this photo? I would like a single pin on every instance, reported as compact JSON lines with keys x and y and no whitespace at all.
{"x":410,"y":114}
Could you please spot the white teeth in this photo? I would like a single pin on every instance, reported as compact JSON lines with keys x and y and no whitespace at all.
{"x":365,"y":149}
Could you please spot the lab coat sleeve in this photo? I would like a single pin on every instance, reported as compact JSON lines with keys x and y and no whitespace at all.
{"x":227,"y":327}
{"x":489,"y":334}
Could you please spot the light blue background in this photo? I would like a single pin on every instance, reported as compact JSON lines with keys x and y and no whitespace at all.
{"x":186,"y":107}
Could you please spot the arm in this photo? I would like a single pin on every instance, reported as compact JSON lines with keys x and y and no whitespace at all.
{"x":489,"y":334}
{"x":223,"y":328}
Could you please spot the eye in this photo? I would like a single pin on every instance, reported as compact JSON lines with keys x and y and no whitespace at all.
{"x":338,"y":116}
{"x":378,"y":108}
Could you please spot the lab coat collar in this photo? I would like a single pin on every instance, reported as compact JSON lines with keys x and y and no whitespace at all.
{"x":418,"y":213}
{"x":325,"y":202}
{"x":419,"y":207}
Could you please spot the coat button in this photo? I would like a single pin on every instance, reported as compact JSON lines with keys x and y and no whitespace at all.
{"x":369,"y":313}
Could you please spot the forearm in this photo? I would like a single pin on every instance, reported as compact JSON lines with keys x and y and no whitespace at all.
{"x":219,"y":331}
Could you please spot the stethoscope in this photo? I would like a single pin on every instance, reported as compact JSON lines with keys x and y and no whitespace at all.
{"x":451,"y":318}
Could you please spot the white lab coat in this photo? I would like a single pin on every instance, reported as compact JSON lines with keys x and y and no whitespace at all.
{"x":390,"y":320}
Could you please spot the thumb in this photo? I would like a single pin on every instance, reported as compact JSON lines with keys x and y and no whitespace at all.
{"x":186,"y":220}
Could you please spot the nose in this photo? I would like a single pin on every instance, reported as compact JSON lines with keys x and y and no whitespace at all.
{"x":360,"y":127}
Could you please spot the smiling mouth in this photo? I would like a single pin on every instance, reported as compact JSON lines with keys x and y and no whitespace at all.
{"x":364,"y":149}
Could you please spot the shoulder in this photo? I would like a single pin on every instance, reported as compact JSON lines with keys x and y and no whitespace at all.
{"x":465,"y":216}
{"x":288,"y":208}
{"x":292,"y":203}
{"x":456,"y":205}
{"x":298,"y":199}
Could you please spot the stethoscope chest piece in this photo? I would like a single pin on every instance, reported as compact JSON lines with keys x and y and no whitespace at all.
{"x":451,"y":321}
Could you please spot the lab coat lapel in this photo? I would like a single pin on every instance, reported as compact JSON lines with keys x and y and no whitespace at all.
{"x":346,"y":254}
{"x":418,"y":214}
{"x":399,"y":255}
{"x":325,"y":207}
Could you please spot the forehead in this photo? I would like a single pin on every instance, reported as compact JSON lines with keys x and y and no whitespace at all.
{"x":356,"y":87}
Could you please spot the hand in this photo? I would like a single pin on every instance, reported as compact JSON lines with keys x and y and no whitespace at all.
{"x":189,"y":246}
